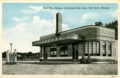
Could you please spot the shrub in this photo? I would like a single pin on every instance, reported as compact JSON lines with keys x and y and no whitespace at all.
{"x":88,"y":60}
{"x":83,"y":60}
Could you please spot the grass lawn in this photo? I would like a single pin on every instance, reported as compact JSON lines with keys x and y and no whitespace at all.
{"x":59,"y":69}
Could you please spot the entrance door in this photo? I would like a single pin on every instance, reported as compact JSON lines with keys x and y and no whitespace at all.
{"x":75,"y":53}
{"x":45,"y":54}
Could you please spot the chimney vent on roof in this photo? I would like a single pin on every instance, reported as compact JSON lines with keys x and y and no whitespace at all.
{"x":58,"y":23}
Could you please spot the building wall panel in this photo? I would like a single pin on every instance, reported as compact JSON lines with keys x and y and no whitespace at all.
{"x":107,"y":49}
{"x":42,"y":51}
{"x":58,"y":51}
{"x":80,"y":49}
{"x":47,"y":49}
{"x":114,"y":53}
{"x":101,"y":51}
{"x":100,"y":33}
{"x":70,"y":50}
{"x":116,"y":48}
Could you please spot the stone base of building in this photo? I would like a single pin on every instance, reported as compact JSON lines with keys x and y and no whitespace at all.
{"x":94,"y":59}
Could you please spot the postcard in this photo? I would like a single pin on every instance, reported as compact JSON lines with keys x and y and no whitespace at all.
{"x":51,"y":39}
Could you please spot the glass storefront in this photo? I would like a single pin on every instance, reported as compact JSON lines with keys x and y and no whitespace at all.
{"x":64,"y":50}
{"x":104,"y":49}
{"x":109,"y":49}
{"x":53,"y":52}
{"x":92,"y":47}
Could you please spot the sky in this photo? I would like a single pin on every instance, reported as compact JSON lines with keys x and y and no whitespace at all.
{"x":23,"y":23}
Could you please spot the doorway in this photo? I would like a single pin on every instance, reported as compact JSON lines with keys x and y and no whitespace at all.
{"x":45,"y":54}
{"x":75,"y":52}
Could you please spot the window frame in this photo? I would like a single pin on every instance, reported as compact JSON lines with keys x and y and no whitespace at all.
{"x":53,"y":53}
{"x":104,"y":49}
{"x":93,"y":46}
{"x":64,"y":51}
{"x":110,"y":49}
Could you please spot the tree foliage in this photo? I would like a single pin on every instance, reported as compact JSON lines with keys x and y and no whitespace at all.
{"x":99,"y":23}
{"x":4,"y":55}
{"x":114,"y":25}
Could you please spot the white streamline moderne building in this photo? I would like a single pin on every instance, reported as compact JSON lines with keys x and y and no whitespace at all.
{"x":71,"y":45}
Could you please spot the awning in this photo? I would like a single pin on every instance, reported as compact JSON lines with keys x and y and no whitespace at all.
{"x":63,"y":39}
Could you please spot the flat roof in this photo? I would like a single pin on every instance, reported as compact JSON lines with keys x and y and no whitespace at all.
{"x":77,"y":29}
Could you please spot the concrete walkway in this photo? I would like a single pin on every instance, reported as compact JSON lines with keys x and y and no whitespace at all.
{"x":56,"y":62}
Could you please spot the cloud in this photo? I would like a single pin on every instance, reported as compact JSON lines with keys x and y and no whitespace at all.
{"x":73,"y":21}
{"x":83,"y":19}
{"x":86,"y":16}
{"x":114,"y":13}
{"x":22,"y":34}
{"x":65,"y":27}
{"x":35,"y":9}
{"x":26,"y":18}
{"x":26,"y":11}
{"x":90,"y":16}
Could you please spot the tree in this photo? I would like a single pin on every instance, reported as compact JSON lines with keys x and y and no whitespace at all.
{"x":4,"y":55}
{"x":114,"y":25}
{"x":29,"y":54}
{"x":98,"y":23}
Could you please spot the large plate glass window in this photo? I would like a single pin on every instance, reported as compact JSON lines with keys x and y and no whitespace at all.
{"x":64,"y":50}
{"x":92,"y":47}
{"x":53,"y":52}
{"x":86,"y":48}
{"x":109,"y":49}
{"x":104,"y":48}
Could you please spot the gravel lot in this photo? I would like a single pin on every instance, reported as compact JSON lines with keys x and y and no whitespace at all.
{"x":37,"y":68}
